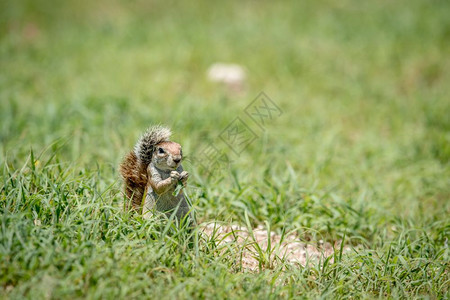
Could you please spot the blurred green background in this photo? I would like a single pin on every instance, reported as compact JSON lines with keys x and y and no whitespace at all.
{"x":364,"y":86}
{"x":363,"y":142}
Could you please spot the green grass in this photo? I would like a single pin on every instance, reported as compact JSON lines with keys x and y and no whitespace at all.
{"x":362,"y":148}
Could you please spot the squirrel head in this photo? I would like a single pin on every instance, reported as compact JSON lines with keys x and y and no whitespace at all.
{"x":167,"y":156}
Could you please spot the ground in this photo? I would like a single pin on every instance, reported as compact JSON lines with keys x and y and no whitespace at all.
{"x":353,"y":158}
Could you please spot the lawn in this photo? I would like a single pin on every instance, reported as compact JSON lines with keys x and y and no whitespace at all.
{"x":355,"y":155}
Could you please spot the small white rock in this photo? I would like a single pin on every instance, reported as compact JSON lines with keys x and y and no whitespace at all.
{"x":230,"y":74}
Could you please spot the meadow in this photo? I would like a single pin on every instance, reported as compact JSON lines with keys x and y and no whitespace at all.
{"x":357,"y":157}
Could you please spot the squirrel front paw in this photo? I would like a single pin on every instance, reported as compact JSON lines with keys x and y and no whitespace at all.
{"x":175,"y":176}
{"x":184,"y":177}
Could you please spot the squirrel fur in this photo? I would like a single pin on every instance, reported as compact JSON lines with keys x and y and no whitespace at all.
{"x":154,"y":169}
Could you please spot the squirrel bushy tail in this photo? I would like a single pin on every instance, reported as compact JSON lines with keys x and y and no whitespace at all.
{"x":133,"y":169}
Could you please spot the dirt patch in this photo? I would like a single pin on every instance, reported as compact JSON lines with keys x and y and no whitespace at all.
{"x":260,"y":249}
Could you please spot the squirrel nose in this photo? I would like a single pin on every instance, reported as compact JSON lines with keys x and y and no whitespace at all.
{"x":177,"y":160}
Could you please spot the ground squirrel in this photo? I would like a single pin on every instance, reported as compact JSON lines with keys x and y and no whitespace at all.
{"x":154,"y":168}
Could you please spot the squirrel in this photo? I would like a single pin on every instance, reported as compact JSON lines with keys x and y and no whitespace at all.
{"x":153,"y":168}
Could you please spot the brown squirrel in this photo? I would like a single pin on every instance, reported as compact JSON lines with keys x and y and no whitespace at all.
{"x":154,"y":168}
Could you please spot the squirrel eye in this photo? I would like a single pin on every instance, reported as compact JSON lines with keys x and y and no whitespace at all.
{"x":160,"y":150}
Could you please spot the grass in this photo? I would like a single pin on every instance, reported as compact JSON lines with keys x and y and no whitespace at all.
{"x":361,"y":149}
